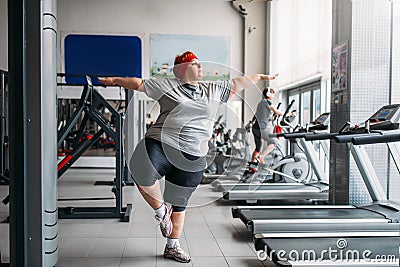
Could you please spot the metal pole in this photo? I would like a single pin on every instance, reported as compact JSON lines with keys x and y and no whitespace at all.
{"x":17,"y":104}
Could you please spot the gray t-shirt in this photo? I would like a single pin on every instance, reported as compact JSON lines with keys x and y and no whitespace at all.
{"x":264,"y":114}
{"x":187,"y":112}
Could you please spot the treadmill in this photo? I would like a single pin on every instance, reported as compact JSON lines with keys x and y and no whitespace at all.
{"x":314,"y":190}
{"x":332,"y":235}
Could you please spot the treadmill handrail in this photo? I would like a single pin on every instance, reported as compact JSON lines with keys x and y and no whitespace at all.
{"x":327,"y":234}
{"x":296,"y":135}
{"x":374,"y":139}
{"x":320,"y":136}
{"x":320,"y":221}
{"x":347,"y":138}
{"x":250,"y":191}
{"x":297,"y":206}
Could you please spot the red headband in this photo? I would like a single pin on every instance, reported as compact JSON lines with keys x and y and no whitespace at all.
{"x":186,"y":57}
{"x":179,"y":66}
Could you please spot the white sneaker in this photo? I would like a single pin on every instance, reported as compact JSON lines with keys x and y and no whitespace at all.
{"x":176,"y":253}
{"x":165,"y":222}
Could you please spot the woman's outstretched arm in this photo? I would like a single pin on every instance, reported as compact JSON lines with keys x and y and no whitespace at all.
{"x":242,"y":82}
{"x":128,"y":83}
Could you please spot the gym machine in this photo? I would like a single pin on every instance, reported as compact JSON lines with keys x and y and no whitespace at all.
{"x":228,"y":158}
{"x":236,"y":167}
{"x":90,"y":106}
{"x":328,"y":235}
{"x":286,"y":187}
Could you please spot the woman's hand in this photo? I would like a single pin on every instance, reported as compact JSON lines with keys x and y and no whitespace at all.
{"x":107,"y":80}
{"x":268,"y":76}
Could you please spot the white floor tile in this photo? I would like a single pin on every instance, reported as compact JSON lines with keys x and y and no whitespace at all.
{"x":102,"y":262}
{"x":75,"y":247}
{"x":107,"y":247}
{"x":150,"y":261}
{"x":224,"y":231}
{"x":80,"y":230}
{"x":209,"y":261}
{"x":245,"y":262}
{"x":197,"y":230}
{"x":163,"y":262}
{"x":203,"y":246}
{"x":115,"y":230}
{"x":145,"y":230}
{"x":140,"y":247}
{"x":211,"y":236}
{"x":70,"y":262}
{"x":231,"y":247}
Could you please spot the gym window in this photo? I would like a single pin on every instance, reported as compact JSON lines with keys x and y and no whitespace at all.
{"x":310,"y":102}
{"x":307,"y":102}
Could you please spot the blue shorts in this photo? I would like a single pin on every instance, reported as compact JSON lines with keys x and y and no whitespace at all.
{"x":183,"y":172}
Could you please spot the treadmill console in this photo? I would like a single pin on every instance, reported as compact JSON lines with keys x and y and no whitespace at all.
{"x":386,"y":118}
{"x":389,"y":112}
{"x":320,"y":123}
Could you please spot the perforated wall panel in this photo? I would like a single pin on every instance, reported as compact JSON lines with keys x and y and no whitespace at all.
{"x":394,"y":177}
{"x":396,"y":53}
{"x":373,"y":74}
{"x":370,"y":81}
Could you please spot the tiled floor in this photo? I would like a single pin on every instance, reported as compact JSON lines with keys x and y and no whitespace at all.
{"x":211,"y":235}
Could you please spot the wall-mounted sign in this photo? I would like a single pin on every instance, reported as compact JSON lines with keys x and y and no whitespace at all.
{"x":339,"y":67}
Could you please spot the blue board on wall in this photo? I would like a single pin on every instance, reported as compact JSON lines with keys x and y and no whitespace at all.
{"x":101,"y":55}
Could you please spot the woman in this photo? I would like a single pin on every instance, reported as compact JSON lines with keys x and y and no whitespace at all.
{"x":263,"y":127}
{"x":176,"y":144}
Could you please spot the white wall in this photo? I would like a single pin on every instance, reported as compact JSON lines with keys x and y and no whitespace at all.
{"x":300,"y":40}
{"x":300,"y":32}
{"x":3,"y":35}
{"x":254,"y":52}
{"x":145,"y":17}
{"x":192,"y":17}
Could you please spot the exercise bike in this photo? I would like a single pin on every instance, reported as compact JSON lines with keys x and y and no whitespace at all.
{"x":301,"y":164}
